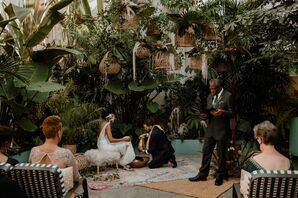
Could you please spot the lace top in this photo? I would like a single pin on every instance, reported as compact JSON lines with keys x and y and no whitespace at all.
{"x":61,"y":157}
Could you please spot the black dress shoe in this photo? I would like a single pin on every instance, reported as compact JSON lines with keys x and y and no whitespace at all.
{"x":197,"y":178}
{"x":173,"y":161}
{"x":218,"y":181}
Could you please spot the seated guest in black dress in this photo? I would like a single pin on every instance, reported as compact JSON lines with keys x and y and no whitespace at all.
{"x":158,"y":146}
{"x":6,"y":140}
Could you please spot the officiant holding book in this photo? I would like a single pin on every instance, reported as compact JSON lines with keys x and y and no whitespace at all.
{"x":219,"y":108}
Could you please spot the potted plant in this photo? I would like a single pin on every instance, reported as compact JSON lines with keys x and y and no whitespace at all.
{"x":78,"y":118}
{"x":78,"y":121}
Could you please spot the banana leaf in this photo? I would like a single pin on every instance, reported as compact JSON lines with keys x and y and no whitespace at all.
{"x":86,"y":8}
{"x":44,"y":28}
{"x":3,"y":23}
{"x":59,"y":5}
{"x":27,"y":125}
{"x":20,"y":13}
{"x":33,"y":72}
{"x":40,"y":97}
{"x":17,"y":108}
{"x":45,"y":86}
{"x":15,"y":30}
{"x":52,"y":54}
{"x":7,"y":90}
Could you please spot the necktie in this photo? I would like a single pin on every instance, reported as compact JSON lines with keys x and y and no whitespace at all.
{"x":214,"y":101}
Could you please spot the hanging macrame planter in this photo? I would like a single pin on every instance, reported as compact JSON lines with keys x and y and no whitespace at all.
{"x":130,"y":19}
{"x":212,"y":32}
{"x":194,"y":62}
{"x":165,"y":60}
{"x":139,"y":51}
{"x":153,"y":29}
{"x":142,"y":51}
{"x":186,"y":40}
{"x":108,"y":65}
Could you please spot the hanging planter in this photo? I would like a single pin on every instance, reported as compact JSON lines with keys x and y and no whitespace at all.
{"x":212,"y":32}
{"x":153,"y":29}
{"x":194,"y":62}
{"x":108,"y":65}
{"x":142,"y":51}
{"x":128,"y":19}
{"x":186,"y":40}
{"x":221,"y":68}
{"x":165,"y":60}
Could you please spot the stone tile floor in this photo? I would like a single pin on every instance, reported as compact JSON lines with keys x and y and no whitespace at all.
{"x":134,"y":191}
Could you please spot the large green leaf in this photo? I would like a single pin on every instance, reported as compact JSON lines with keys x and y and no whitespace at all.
{"x":149,"y":84}
{"x":3,"y":23}
{"x":7,"y":90}
{"x":60,"y":4}
{"x":41,"y":97}
{"x":15,"y":30}
{"x":152,"y":106}
{"x":18,"y":109}
{"x":27,"y":125}
{"x":52,"y":54}
{"x":34,"y":72}
{"x":45,"y":86}
{"x":20,"y":13}
{"x":145,"y":85}
{"x":135,"y":86}
{"x":44,"y":28}
{"x":115,"y":87}
{"x":86,"y":8}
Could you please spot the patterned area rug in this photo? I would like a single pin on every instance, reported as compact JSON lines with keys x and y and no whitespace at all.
{"x":205,"y":189}
{"x":188,"y":166}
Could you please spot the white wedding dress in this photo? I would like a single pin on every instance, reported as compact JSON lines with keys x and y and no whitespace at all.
{"x":127,"y":154}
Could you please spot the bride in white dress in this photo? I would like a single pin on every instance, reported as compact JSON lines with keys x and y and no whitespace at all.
{"x":106,"y":142}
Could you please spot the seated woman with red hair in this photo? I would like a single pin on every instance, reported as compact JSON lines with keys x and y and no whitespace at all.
{"x":50,"y":153}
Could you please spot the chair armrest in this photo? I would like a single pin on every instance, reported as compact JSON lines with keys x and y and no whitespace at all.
{"x":236,"y":191}
{"x":82,"y":183}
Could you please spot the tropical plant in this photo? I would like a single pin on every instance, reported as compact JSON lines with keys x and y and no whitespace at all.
{"x":26,"y":65}
{"x":80,"y":120}
{"x":128,"y":93}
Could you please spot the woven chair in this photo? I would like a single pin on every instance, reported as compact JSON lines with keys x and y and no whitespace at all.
{"x":42,"y":180}
{"x":4,"y":168}
{"x":273,"y":184}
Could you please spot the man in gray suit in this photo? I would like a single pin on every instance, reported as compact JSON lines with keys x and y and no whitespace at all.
{"x":219,"y":108}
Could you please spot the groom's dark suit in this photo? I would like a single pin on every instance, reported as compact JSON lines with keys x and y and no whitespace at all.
{"x":217,"y":133}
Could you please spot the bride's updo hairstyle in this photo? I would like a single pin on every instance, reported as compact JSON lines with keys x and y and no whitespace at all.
{"x":111,"y":117}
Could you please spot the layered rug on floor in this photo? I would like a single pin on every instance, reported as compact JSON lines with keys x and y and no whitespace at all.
{"x":188,"y":166}
{"x":202,"y":189}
